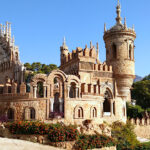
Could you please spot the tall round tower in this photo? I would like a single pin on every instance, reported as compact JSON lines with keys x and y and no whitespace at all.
{"x":63,"y":52}
{"x":119,"y":43}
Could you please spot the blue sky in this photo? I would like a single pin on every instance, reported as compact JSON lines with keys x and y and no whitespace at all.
{"x":40,"y":25}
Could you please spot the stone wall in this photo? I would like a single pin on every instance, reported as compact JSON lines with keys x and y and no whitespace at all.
{"x":142,"y":127}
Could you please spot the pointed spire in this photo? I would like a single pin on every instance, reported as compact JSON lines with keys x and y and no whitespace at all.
{"x":125,"y":24}
{"x":104,"y":27}
{"x":86,"y":46}
{"x":1,"y":33}
{"x":91,"y":44}
{"x":64,"y":41}
{"x":118,"y":11}
{"x":97,"y":49}
{"x":133,"y":27}
{"x":64,"y":44}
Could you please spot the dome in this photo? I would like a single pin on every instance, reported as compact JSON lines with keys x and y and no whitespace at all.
{"x":117,"y":27}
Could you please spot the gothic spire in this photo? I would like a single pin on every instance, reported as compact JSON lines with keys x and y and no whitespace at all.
{"x":118,"y":11}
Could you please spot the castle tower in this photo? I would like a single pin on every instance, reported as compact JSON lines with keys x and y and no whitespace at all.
{"x":63,"y":52}
{"x":119,"y":43}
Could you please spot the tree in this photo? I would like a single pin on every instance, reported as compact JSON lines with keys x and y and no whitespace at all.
{"x":141,"y":92}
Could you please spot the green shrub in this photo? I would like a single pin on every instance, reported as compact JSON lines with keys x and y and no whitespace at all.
{"x":124,"y":135}
{"x":134,"y":111}
{"x":93,"y":141}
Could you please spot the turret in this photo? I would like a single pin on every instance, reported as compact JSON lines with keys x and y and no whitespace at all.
{"x":119,"y":43}
{"x":64,"y":51}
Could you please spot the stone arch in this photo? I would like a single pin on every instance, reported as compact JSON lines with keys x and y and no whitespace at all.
{"x":73,"y":86}
{"x":93,"y":112}
{"x":57,"y":73}
{"x":37,"y":83}
{"x":78,"y":112}
{"x":39,"y":78}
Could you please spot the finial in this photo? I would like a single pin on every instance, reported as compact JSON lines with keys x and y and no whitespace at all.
{"x":118,"y":3}
{"x":125,"y":24}
{"x":104,"y":27}
{"x":118,"y":11}
{"x":86,"y":46}
{"x":97,"y":46}
{"x":91,"y":44}
{"x":133,"y":27}
{"x":64,"y":41}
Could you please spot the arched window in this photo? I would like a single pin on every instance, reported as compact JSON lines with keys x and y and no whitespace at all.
{"x":40,"y":92}
{"x":107,"y":103}
{"x":130,"y":51}
{"x":94,"y":112}
{"x":10,"y":114}
{"x":80,"y":112}
{"x":72,"y":92}
{"x":32,"y":113}
{"x":114,"y":49}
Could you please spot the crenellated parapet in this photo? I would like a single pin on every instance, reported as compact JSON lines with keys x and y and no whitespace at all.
{"x":140,"y":122}
{"x":86,"y":54}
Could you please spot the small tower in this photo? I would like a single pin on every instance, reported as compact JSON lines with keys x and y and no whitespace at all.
{"x":63,"y":51}
{"x":119,"y":43}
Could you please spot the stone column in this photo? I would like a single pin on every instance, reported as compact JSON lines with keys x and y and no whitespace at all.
{"x":111,"y":103}
{"x":77,"y":92}
{"x":52,"y":104}
{"x":60,"y":90}
{"x":97,"y":89}
{"x":60,"y":105}
{"x":34,"y":91}
{"x":86,"y":88}
{"x":68,"y":90}
{"x":92,"y":88}
{"x":44,"y":90}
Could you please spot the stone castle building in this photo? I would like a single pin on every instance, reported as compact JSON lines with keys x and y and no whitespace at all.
{"x":82,"y":89}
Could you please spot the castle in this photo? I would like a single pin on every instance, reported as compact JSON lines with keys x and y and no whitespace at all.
{"x":82,"y":89}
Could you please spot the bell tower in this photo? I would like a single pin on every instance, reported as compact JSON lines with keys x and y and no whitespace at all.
{"x":119,"y":43}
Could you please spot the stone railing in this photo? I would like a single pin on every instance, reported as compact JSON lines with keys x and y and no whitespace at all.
{"x":12,"y":96}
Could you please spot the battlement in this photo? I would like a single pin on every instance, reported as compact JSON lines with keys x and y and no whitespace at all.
{"x":90,"y":54}
{"x":140,"y":122}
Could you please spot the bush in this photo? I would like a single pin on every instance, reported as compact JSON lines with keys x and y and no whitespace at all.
{"x":58,"y":133}
{"x":134,"y":111}
{"x":124,"y":135}
{"x":93,"y":141}
{"x":24,"y":127}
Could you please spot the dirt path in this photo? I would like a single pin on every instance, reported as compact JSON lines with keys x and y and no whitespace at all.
{"x":13,"y":144}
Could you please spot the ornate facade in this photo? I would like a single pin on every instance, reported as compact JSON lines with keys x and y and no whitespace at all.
{"x":82,"y":89}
